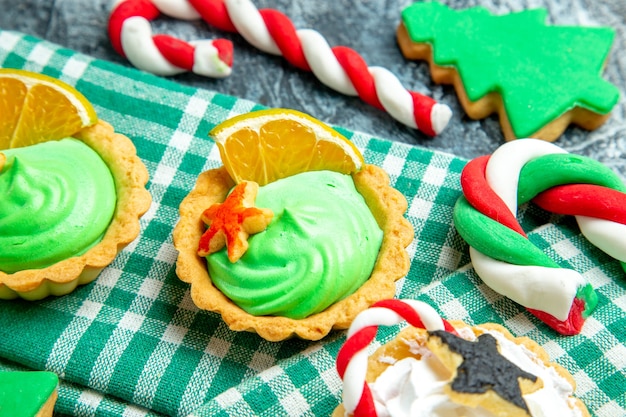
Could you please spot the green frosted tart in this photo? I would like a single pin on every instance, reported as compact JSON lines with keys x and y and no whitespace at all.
{"x":58,"y":200}
{"x":69,"y":206}
{"x":306,"y":283}
{"x":294,"y":235}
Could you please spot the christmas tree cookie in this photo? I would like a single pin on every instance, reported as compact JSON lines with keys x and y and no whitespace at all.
{"x":539,"y":78}
{"x":28,"y":394}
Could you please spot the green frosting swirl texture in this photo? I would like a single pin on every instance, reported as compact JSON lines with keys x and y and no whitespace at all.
{"x":320,"y":247}
{"x":58,"y":199}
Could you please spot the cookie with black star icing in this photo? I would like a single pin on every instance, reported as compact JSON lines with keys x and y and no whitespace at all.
{"x":481,"y":375}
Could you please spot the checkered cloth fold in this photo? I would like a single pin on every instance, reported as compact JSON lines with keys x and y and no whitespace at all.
{"x":132,"y":343}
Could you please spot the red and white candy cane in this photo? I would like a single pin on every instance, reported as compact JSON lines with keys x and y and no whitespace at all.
{"x":131,"y":36}
{"x":340,"y":68}
{"x":504,"y":257}
{"x":352,"y":357}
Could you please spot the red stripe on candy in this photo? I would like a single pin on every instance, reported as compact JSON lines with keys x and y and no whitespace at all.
{"x":480,"y":195}
{"x":448,"y":327}
{"x":353,"y":345}
{"x":366,"y":406}
{"x":584,"y":200}
{"x":422,"y":109}
{"x":175,"y":51}
{"x":356,"y":343}
{"x":224,"y":50}
{"x":214,"y":13}
{"x":571,"y":326}
{"x":360,"y":77}
{"x":283,"y":32}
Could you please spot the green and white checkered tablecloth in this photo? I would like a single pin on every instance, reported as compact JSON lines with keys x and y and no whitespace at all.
{"x":132,"y":343}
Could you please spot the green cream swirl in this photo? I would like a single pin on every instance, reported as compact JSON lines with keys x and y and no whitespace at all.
{"x":320,"y":247}
{"x":58,"y":199}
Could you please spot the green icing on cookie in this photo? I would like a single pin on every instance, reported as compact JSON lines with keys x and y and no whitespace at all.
{"x":23,"y":394}
{"x":540,"y":71}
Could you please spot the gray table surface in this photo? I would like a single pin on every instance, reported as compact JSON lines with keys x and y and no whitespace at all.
{"x":367,"y":26}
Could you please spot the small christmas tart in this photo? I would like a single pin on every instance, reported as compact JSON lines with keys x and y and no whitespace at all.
{"x":73,"y":189}
{"x":295,"y":234}
{"x":436,"y":368}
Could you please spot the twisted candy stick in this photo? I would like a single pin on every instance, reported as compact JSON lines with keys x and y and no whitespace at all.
{"x":557,"y":181}
{"x":352,"y":357}
{"x":339,"y":68}
{"x":131,"y":36}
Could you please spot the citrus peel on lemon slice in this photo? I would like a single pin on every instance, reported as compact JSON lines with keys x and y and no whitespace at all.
{"x":266,"y":145}
{"x":37,"y":108}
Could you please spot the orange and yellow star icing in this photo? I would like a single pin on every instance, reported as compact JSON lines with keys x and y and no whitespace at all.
{"x":233,"y":221}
